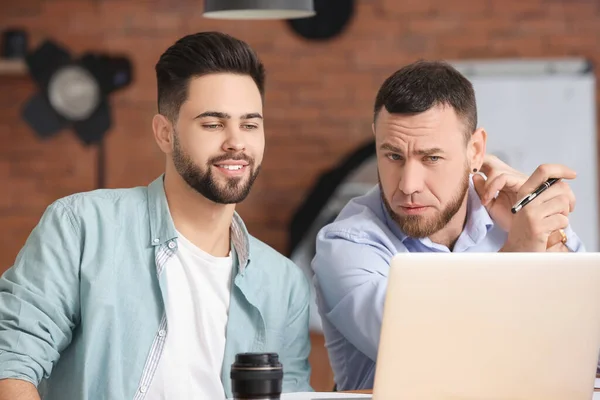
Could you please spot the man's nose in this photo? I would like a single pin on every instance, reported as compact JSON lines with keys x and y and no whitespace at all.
{"x":411,"y":179}
{"x":234,"y":142}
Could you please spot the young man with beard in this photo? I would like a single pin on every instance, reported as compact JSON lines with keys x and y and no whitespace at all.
{"x":150,"y":292}
{"x":428,"y":145}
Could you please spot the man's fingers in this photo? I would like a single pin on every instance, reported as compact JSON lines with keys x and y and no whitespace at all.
{"x":553,"y":239}
{"x":507,"y":182}
{"x":492,"y":164}
{"x":556,"y":205}
{"x":554,"y":223}
{"x":561,"y":190}
{"x":493,"y":186}
{"x":557,"y":248}
{"x":545,"y":172}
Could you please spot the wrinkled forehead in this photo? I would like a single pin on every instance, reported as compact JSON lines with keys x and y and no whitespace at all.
{"x":438,"y":126}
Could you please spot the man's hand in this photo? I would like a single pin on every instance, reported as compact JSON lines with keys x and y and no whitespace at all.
{"x":556,"y":244}
{"x":532,"y":226}
{"x":505,"y":181}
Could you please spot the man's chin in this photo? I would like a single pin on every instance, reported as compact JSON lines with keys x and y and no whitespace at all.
{"x":418,"y":226}
{"x":232,"y":183}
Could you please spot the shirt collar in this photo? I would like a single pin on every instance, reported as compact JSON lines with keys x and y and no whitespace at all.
{"x":162,"y":228}
{"x":479,"y":221}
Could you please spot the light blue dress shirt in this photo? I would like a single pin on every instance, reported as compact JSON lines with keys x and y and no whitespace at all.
{"x":82,"y":311}
{"x":351,"y":268}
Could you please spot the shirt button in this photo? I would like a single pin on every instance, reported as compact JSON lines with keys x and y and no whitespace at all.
{"x":171,"y":245}
{"x":155,"y":240}
{"x":162,"y":333}
{"x":143,"y":389}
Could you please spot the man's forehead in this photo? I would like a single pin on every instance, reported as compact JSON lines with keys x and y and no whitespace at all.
{"x":431,"y":127}
{"x":433,"y":116}
{"x":228,"y":94}
{"x":233,"y":88}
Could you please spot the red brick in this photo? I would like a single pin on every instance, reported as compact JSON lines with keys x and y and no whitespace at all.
{"x":540,"y":26}
{"x":512,"y":8}
{"x":435,"y":26}
{"x":77,"y":17}
{"x":11,"y":10}
{"x":571,"y":45}
{"x":462,"y":8}
{"x":362,"y":25}
{"x":392,"y":8}
{"x":531,"y":46}
{"x":464,"y":45}
{"x":399,"y":50}
{"x":490,"y":26}
{"x":576,"y":10}
{"x":583,"y":27}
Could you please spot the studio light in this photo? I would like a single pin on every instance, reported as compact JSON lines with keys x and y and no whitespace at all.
{"x":73,"y":93}
{"x":258,"y":9}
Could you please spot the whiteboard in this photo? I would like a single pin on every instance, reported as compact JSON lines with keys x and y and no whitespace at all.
{"x":543,"y":111}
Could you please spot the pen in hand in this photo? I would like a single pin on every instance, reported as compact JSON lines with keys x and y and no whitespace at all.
{"x":539,"y":190}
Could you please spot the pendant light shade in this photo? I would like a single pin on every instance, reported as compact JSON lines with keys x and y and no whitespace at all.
{"x":258,"y":9}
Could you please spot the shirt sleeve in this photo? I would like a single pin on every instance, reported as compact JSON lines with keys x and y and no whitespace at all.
{"x":296,"y":337}
{"x":351,"y":281}
{"x":574,"y":243}
{"x":39,"y":295}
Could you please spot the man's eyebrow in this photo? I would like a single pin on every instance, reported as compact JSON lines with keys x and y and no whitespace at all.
{"x":428,"y":152}
{"x":252,"y":116}
{"x":223,"y":115}
{"x":214,"y":114}
{"x":421,"y":152}
{"x":389,"y":147}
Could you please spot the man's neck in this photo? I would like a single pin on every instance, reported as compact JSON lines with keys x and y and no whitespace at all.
{"x":204,"y":223}
{"x":451,"y":232}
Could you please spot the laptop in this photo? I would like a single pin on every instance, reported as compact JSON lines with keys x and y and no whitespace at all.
{"x":490,"y":326}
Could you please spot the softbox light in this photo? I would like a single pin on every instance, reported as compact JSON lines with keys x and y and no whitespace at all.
{"x":73,"y":93}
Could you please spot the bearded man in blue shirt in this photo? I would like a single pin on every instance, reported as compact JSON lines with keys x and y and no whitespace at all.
{"x":431,"y":197}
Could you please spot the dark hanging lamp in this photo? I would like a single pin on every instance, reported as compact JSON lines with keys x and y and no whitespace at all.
{"x":258,"y":9}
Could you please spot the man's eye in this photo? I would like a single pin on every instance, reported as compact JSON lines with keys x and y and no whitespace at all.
{"x":394,"y":157}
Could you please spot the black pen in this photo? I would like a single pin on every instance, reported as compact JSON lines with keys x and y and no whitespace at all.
{"x":527,"y":199}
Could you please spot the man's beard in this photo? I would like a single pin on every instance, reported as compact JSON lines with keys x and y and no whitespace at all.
{"x":418,"y":226}
{"x":203,"y":181}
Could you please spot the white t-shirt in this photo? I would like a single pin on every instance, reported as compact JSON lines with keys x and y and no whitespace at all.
{"x":199,"y":287}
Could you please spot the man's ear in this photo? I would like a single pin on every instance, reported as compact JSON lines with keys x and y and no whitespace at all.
{"x":163,"y":133}
{"x":476,"y":148}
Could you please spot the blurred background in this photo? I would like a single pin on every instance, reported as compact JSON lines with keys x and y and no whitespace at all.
{"x":532,"y":63}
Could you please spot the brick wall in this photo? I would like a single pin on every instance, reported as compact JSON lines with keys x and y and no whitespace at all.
{"x":318,"y":102}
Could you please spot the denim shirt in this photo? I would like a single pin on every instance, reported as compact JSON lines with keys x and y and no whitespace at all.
{"x":82,"y":310}
{"x":351,"y":266}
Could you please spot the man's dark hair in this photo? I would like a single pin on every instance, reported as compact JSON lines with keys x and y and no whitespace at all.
{"x":422,"y":85}
{"x":200,"y":54}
